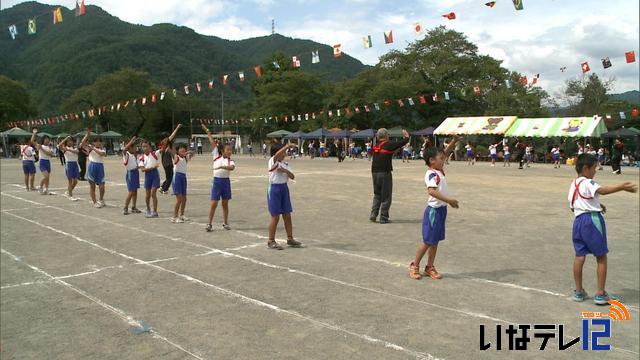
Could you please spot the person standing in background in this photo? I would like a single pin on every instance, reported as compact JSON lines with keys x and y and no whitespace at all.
{"x":199,"y":146}
{"x":616,"y":156}
{"x":166,"y":157}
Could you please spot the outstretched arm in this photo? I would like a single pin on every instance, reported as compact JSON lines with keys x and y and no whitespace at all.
{"x":175,"y":132}
{"x":626,"y":186}
{"x":33,"y":138}
{"x":450,"y":147}
{"x":206,"y":129}
{"x":85,"y":138}
{"x":130,"y":143}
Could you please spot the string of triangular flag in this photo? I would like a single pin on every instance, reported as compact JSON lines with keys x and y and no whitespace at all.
{"x":55,"y":13}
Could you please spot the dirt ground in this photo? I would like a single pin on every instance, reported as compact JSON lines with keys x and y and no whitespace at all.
{"x":85,"y":283}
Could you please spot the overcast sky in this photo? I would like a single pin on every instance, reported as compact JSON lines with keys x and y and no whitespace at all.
{"x":542,"y":38}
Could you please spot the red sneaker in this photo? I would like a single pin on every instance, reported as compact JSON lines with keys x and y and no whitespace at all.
{"x":414,"y":271}
{"x":432,"y":272}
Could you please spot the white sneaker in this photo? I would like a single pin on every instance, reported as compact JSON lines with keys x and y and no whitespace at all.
{"x":73,"y":198}
{"x":97,"y":205}
{"x":102,"y":203}
{"x":184,"y":218}
{"x":66,"y":193}
{"x":226,"y":226}
{"x":177,"y":220}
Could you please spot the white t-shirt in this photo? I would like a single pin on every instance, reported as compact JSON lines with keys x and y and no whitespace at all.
{"x":180,"y":164}
{"x":150,"y":161}
{"x":215,"y":152}
{"x":506,"y":150}
{"x":28,"y":153}
{"x":601,"y":151}
{"x":493,"y":149}
{"x":527,"y":150}
{"x":580,"y":150}
{"x":275,"y":176}
{"x":222,"y":161}
{"x":95,"y":157}
{"x":435,"y":179}
{"x":130,"y":160}
{"x":70,"y":155}
{"x":586,"y":199}
{"x":555,"y":151}
{"x":468,"y":147}
{"x":43,"y":155}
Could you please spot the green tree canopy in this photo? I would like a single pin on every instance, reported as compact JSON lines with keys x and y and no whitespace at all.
{"x":15,"y":102}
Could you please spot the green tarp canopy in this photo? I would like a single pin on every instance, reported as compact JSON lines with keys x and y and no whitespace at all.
{"x":278,"y":134}
{"x":110,"y":135}
{"x":62,"y":135}
{"x":622,"y":132}
{"x":395,"y":132}
{"x":576,"y":127}
{"x":41,"y":134}
{"x":82,"y":133}
{"x":15,"y":132}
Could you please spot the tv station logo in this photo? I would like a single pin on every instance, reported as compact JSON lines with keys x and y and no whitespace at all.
{"x":596,"y":329}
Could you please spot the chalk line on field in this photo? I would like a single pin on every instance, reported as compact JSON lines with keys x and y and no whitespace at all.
{"x":121,"y":314}
{"x":95,"y":271}
{"x":222,"y":290}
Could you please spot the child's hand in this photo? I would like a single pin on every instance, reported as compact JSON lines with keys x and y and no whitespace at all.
{"x":629,"y":187}
{"x":604,"y":208}
{"x":454,"y":203}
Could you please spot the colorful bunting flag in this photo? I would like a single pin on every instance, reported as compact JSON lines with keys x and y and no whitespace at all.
{"x":186,"y":90}
{"x":450,"y":16}
{"x":241,"y":75}
{"x":410,"y":100}
{"x":400,"y":102}
{"x":31,"y":28}
{"x":377,"y":106}
{"x":536,"y":79}
{"x":79,"y":7}
{"x":153,"y":98}
{"x":175,"y":92}
{"x":623,"y":116}
{"x":13,"y":31}
{"x":422,"y":99}
{"x":609,"y":118}
{"x":337,"y":50}
{"x":338,"y":112}
{"x":476,"y":89}
{"x":57,"y":15}
{"x":585,"y":67}
{"x":211,"y":85}
{"x":225,"y":80}
{"x":258,"y":70}
{"x":518,"y":4}
{"x":330,"y":113}
{"x":606,"y":63}
{"x":630,"y":56}
{"x":563,"y":69}
{"x":198,"y":87}
{"x":435,"y":98}
{"x":276,"y":65}
{"x":162,"y":96}
{"x":295,"y":62}
{"x":388,"y":37}
{"x":523,"y":80}
{"x":315,"y":57}
{"x":366,"y":41}
{"x":366,"y":108}
{"x":507,"y":83}
{"x":417,"y":27}
{"x":491,"y":4}
{"x":446,"y":95}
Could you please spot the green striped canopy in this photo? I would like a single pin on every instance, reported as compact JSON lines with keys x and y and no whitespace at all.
{"x":558,"y":127}
{"x":475,"y":125}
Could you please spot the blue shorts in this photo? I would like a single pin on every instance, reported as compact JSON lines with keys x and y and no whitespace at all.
{"x":493,"y":156}
{"x":221,"y":189}
{"x":405,"y":153}
{"x":507,"y":157}
{"x":556,"y":157}
{"x":278,"y":199}
{"x":179,"y":184}
{"x":28,"y":167}
{"x":590,"y":234}
{"x":72,"y":170}
{"x":433,"y":225}
{"x":95,"y":173}
{"x":470,"y":154}
{"x":45,"y":165}
{"x":527,"y":157}
{"x":321,"y":151}
{"x":601,"y":158}
{"x":152,"y":179}
{"x":132,"y":177}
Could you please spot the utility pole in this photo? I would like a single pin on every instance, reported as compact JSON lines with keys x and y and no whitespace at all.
{"x":273,"y":26}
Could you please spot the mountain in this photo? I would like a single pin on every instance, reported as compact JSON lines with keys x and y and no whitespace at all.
{"x":632,"y":97}
{"x":61,"y":58}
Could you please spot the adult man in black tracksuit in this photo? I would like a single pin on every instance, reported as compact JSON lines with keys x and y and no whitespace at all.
{"x":381,"y":173}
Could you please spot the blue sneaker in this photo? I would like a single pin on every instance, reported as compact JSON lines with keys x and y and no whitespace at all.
{"x":155,"y":214}
{"x":147,"y":213}
{"x":604,"y":298}
{"x":579,"y":295}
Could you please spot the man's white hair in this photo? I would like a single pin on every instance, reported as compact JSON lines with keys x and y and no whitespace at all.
{"x":382,"y":133}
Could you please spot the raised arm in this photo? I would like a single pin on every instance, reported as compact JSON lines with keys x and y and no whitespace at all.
{"x":450,"y":147}
{"x":33,"y":138}
{"x":130,"y":143}
{"x":283,"y":150}
{"x":206,"y":129}
{"x":85,"y":138}
{"x":175,"y":132}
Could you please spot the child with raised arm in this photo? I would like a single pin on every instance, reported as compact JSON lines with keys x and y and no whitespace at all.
{"x":221,"y":187}
{"x":95,"y":173}
{"x":132,"y":176}
{"x":72,"y":170}
{"x":435,"y":215}
{"x":45,"y":152}
{"x":149,"y":164}
{"x":180,"y":183}
{"x":278,"y":199}
{"x":589,"y":232}
{"x":493,"y":153}
{"x":166,"y":152}
{"x":214,"y":143}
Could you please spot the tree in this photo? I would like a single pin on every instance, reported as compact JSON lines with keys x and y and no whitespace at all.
{"x":587,"y":96}
{"x":15,"y":102}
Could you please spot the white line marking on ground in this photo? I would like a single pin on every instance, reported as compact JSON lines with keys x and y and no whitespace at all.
{"x":121,"y":314}
{"x":61,"y":277}
{"x":217,"y":288}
